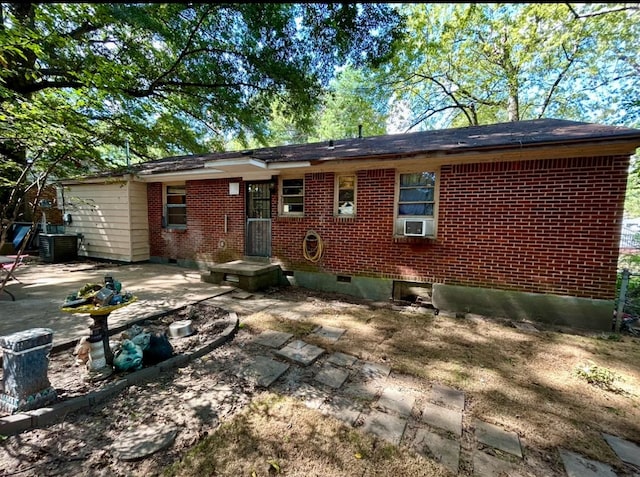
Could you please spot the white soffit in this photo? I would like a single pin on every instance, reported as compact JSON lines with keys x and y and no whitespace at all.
{"x":247,"y":168}
{"x":246,"y":164}
{"x":227,"y":164}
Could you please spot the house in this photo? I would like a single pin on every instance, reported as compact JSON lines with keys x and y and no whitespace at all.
{"x":520,"y":219}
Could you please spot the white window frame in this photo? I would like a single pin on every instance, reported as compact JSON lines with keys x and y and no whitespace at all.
{"x":167,"y":205}
{"x":336,"y":199}
{"x":282,"y":196}
{"x":431,"y":220}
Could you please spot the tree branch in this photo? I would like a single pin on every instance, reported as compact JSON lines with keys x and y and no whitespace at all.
{"x":577,"y":16}
{"x":184,"y":53}
{"x":570,"y":60}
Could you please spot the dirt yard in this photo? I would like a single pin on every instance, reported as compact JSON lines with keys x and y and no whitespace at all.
{"x":534,"y":383}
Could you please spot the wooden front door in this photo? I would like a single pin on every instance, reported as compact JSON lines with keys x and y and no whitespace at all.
{"x":258,"y":237}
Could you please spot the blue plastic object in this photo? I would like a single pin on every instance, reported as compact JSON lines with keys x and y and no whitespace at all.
{"x":21,"y":231}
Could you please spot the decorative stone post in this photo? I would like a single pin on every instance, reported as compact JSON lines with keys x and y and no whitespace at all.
{"x":25,"y":362}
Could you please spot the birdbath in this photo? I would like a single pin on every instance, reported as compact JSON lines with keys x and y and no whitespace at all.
{"x":98,"y":302}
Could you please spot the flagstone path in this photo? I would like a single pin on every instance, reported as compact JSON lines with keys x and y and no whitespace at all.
{"x":366,"y":395}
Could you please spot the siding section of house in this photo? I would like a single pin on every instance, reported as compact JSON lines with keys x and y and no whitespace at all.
{"x":139,"y":223}
{"x":215,"y":224}
{"x":112,"y":218}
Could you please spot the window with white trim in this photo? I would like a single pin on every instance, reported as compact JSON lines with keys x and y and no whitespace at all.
{"x":416,"y":204}
{"x":345,"y":196}
{"x":417,"y":194}
{"x":292,"y":196}
{"x":176,"y":206}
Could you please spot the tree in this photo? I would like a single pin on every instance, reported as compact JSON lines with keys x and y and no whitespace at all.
{"x":78,"y":81}
{"x":632,"y":199}
{"x":469,"y":64}
{"x":349,"y":103}
{"x":176,"y":78}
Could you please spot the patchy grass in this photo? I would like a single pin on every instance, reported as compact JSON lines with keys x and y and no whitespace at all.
{"x":525,"y":382}
{"x":599,"y":376}
{"x":279,"y":435}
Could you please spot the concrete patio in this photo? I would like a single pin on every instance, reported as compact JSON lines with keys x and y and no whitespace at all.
{"x":44,"y":287}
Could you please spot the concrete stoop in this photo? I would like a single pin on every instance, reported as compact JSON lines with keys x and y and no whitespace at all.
{"x":247,"y":275}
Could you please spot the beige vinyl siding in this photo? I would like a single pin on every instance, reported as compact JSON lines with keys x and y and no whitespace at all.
{"x":112,"y":217}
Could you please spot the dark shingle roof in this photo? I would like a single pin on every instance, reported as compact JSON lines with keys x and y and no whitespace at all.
{"x":446,"y":141}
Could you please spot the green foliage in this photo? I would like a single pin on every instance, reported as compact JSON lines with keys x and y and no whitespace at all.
{"x":166,"y":76}
{"x":351,"y":102}
{"x":633,"y":287}
{"x":79,"y":82}
{"x":467,"y":64}
{"x":632,"y":198}
{"x":273,"y":466}
{"x":598,"y":376}
{"x":348,"y":103}
{"x":609,"y":337}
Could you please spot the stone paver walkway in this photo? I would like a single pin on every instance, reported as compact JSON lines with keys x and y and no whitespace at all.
{"x":263,"y":371}
{"x":367,"y":395}
{"x":498,"y":438}
{"x":446,"y":451}
{"x":627,"y":451}
{"x":332,"y":376}
{"x":273,"y":339}
{"x":386,"y":426}
{"x":329,"y":333}
{"x":579,"y":466}
{"x":300,"y":352}
{"x":443,"y":418}
{"x":433,"y":421}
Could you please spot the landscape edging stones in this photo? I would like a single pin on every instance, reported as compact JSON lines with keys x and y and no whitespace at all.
{"x":17,"y":423}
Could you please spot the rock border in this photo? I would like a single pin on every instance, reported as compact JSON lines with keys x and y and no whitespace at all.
{"x":48,"y":415}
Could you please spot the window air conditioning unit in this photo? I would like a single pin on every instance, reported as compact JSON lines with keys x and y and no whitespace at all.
{"x":415,"y":228}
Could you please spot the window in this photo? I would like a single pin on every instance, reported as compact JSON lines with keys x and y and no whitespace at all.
{"x":417,"y":194}
{"x":176,"y":206}
{"x":416,"y":207}
{"x":292,"y":196}
{"x":345,"y":205}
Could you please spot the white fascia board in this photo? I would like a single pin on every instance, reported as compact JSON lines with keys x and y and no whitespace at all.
{"x":245,"y":161}
{"x":183,"y":175}
{"x":288,"y":165}
{"x":235,"y":163}
{"x":97,"y":180}
{"x":248,"y":169}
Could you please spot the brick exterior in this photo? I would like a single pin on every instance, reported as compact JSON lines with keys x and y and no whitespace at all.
{"x":208,"y":201}
{"x":53,"y":214}
{"x":545,"y":226}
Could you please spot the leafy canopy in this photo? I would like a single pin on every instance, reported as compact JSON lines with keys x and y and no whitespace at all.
{"x":482,"y":63}
{"x":170,"y":78}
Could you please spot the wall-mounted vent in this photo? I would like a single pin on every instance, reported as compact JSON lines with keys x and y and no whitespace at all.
{"x":415,"y":228}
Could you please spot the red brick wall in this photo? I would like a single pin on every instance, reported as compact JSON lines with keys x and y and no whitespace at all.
{"x":548,"y":226}
{"x":53,"y":214}
{"x":208,"y":201}
{"x":541,"y":226}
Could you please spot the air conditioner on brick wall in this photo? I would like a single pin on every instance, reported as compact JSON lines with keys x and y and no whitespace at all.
{"x":415,"y":228}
